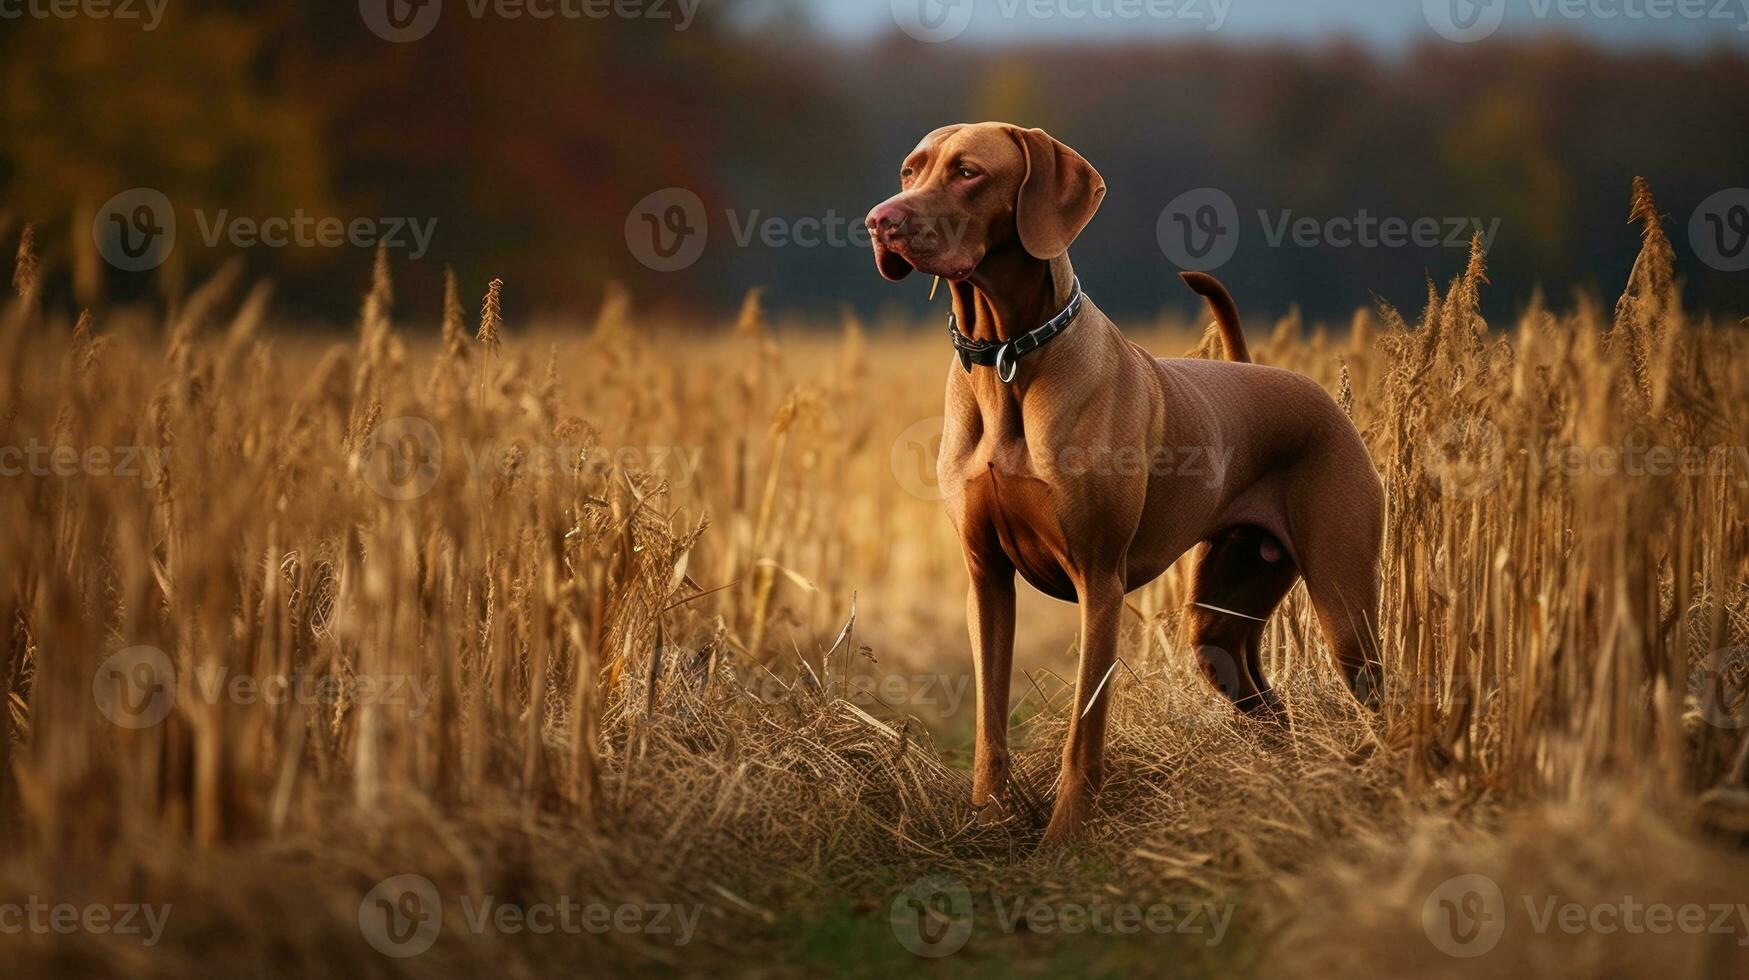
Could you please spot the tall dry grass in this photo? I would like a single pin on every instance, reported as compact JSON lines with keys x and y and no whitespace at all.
{"x":641,"y":675}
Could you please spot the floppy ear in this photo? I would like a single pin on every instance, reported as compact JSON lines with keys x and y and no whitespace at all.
{"x":1058,"y":194}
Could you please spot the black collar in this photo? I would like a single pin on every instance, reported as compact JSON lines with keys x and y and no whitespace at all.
{"x":1005,"y":356}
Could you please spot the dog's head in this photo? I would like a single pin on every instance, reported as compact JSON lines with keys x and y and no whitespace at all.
{"x":973,"y":190}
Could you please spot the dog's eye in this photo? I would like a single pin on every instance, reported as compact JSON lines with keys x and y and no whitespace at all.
{"x":967,"y":173}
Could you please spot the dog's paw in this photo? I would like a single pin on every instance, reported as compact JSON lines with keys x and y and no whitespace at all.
{"x":1068,"y":818}
{"x":1368,"y":688}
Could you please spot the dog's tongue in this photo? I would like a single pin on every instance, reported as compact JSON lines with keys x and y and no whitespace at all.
{"x":892,"y":265}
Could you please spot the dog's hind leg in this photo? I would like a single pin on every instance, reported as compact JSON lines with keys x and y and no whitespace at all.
{"x":1341,"y":565}
{"x":1241,"y":576}
{"x":1347,"y":605}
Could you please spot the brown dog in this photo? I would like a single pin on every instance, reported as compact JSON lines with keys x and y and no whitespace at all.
{"x":1095,"y":465}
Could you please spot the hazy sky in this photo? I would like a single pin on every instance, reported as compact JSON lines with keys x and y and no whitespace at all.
{"x":1689,"y":24}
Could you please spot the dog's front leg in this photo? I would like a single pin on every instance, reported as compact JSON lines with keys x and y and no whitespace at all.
{"x":990,"y":616}
{"x":1084,"y":752}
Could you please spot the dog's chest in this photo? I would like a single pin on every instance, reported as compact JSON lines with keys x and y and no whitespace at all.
{"x":1002,"y":503}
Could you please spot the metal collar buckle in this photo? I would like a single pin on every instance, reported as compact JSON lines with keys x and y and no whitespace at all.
{"x":1007,"y":362}
{"x":1005,"y":356}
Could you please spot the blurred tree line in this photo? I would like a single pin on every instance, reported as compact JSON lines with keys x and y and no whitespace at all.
{"x":530,"y":140}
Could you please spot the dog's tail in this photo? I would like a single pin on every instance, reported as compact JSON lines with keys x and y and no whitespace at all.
{"x":1226,"y":314}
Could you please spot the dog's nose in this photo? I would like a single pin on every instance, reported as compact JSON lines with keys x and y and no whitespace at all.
{"x":889,"y":219}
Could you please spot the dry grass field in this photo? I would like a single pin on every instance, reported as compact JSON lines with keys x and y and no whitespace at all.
{"x":330,"y":647}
